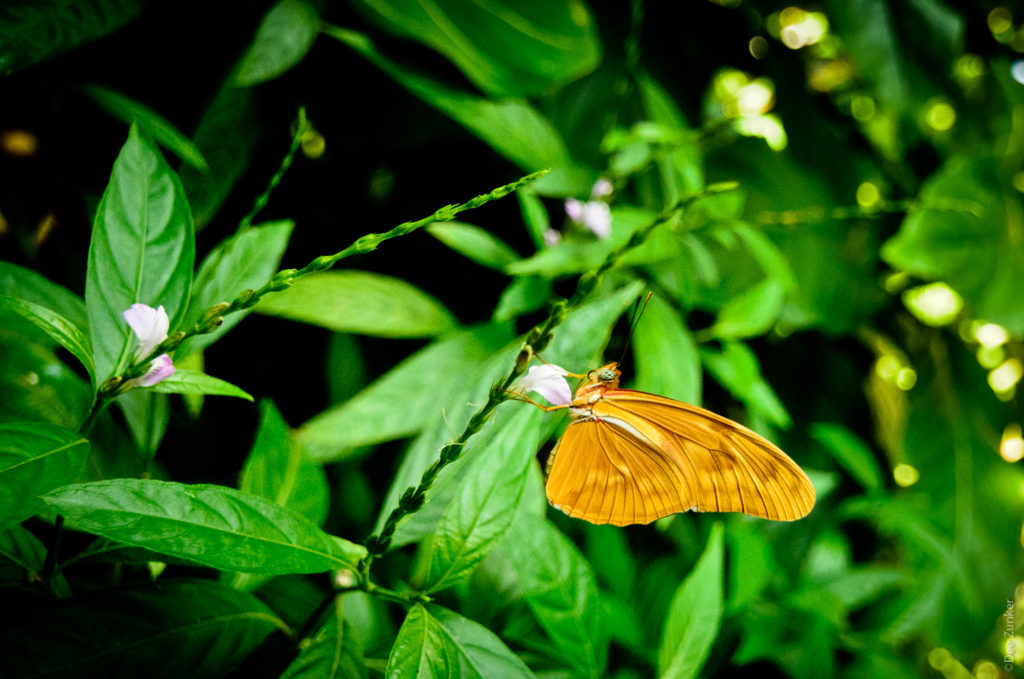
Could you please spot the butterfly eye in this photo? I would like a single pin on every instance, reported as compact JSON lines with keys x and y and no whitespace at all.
{"x":606,"y":375}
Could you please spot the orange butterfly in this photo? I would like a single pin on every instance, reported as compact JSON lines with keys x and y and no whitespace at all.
{"x":631,"y":457}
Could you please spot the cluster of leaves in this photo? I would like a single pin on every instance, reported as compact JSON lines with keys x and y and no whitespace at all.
{"x":784,"y":291}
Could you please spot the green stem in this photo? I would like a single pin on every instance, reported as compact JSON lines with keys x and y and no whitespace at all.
{"x":284,"y":279}
{"x":301,"y":127}
{"x":49,"y":568}
{"x":414,"y":497}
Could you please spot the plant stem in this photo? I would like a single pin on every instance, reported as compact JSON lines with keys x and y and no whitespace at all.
{"x":49,"y":568}
{"x":413,"y":498}
{"x":301,"y":127}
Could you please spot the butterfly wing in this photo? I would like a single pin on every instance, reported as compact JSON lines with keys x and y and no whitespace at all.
{"x":647,"y":456}
{"x":601,"y":474}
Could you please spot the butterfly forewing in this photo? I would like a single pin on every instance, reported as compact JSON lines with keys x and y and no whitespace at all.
{"x":646,"y":456}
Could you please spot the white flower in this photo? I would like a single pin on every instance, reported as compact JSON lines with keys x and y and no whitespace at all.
{"x":150,"y":326}
{"x":548,"y":381}
{"x":551,"y":238}
{"x":593,"y":214}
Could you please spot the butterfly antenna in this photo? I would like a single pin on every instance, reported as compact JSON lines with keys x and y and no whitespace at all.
{"x":634,"y":320}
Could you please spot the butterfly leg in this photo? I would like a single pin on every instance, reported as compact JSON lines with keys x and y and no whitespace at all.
{"x":526,"y":399}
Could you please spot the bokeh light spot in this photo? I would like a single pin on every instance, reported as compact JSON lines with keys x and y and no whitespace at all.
{"x":19,"y":143}
{"x":1000,"y":21}
{"x":1005,"y":378}
{"x":989,"y":358}
{"x":991,"y":335}
{"x":935,"y":304}
{"x":758,"y":47}
{"x":940,"y":116}
{"x":868,"y":195}
{"x":862,"y":107}
{"x":1011,"y":448}
{"x":905,"y":476}
{"x":906,"y":378}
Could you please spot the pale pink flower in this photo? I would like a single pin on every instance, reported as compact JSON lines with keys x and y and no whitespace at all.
{"x":593,"y":214}
{"x":150,"y":326}
{"x":548,"y":381}
{"x":602,"y":188}
{"x":552,"y":238}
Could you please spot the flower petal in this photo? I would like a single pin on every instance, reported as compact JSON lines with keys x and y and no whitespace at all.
{"x":574,"y":209}
{"x":552,"y":238}
{"x":602,"y":188}
{"x":150,"y":326}
{"x":597,"y":217}
{"x":548,"y":381}
{"x":159,"y":369}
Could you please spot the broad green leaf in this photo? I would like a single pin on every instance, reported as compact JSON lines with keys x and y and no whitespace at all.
{"x":34,"y":31}
{"x":680,"y":168}
{"x":560,"y":592}
{"x":485,"y":502}
{"x":36,"y":385}
{"x":21,"y":559}
{"x":209,"y":525}
{"x":278,"y":470}
{"x":859,"y":586}
{"x":405,"y":400}
{"x":852,"y":454}
{"x":694,"y":616}
{"x":147,"y":414}
{"x":737,"y":369}
{"x":150,"y":122}
{"x":193,"y":382}
{"x":752,"y":312}
{"x":504,"y":48}
{"x":282,"y":40}
{"x":577,"y":342}
{"x":436,"y":642}
{"x":35,"y":458}
{"x":58,"y":328}
{"x":773,"y":263}
{"x":751,"y":563}
{"x":523,"y":295}
{"x":360,"y":302}
{"x":165,"y":629}
{"x":333,"y":653}
{"x":226,"y":136}
{"x":966,"y":233}
{"x":16,"y":281}
{"x":142,"y":250}
{"x":475,"y":243}
{"x":243,"y":262}
{"x":535,"y":215}
{"x":667,"y":362}
{"x":511,"y":127}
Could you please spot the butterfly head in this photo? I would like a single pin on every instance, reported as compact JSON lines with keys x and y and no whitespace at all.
{"x":606,"y":376}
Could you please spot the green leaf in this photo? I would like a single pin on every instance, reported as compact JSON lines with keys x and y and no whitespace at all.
{"x":147,"y":414}
{"x":35,"y":458}
{"x":680,"y":167}
{"x":193,"y":382}
{"x":535,"y":215}
{"x":737,"y":369}
{"x":16,"y":281}
{"x":245,"y":261}
{"x":35,"y":385}
{"x":485,"y":502}
{"x":334,"y":653}
{"x":210,"y":525}
{"x":142,"y":250}
{"x":852,"y":454}
{"x":475,"y":243}
{"x":752,"y":312}
{"x":436,"y":642}
{"x":282,"y":40}
{"x":511,"y":127}
{"x":182,"y":628}
{"x":278,"y":470}
{"x":360,"y":302}
{"x":667,"y":361}
{"x":151,"y":123}
{"x":560,"y":591}
{"x":581,"y":336}
{"x":394,"y":406}
{"x":694,"y":616}
{"x":967,"y":234}
{"x":523,"y":295}
{"x":58,"y":328}
{"x":34,"y":31}
{"x":21,"y":559}
{"x":505,"y":49}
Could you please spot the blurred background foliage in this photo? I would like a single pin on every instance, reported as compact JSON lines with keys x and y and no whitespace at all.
{"x":859,"y":298}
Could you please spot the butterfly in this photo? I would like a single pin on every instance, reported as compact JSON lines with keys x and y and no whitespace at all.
{"x":629,"y":457}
